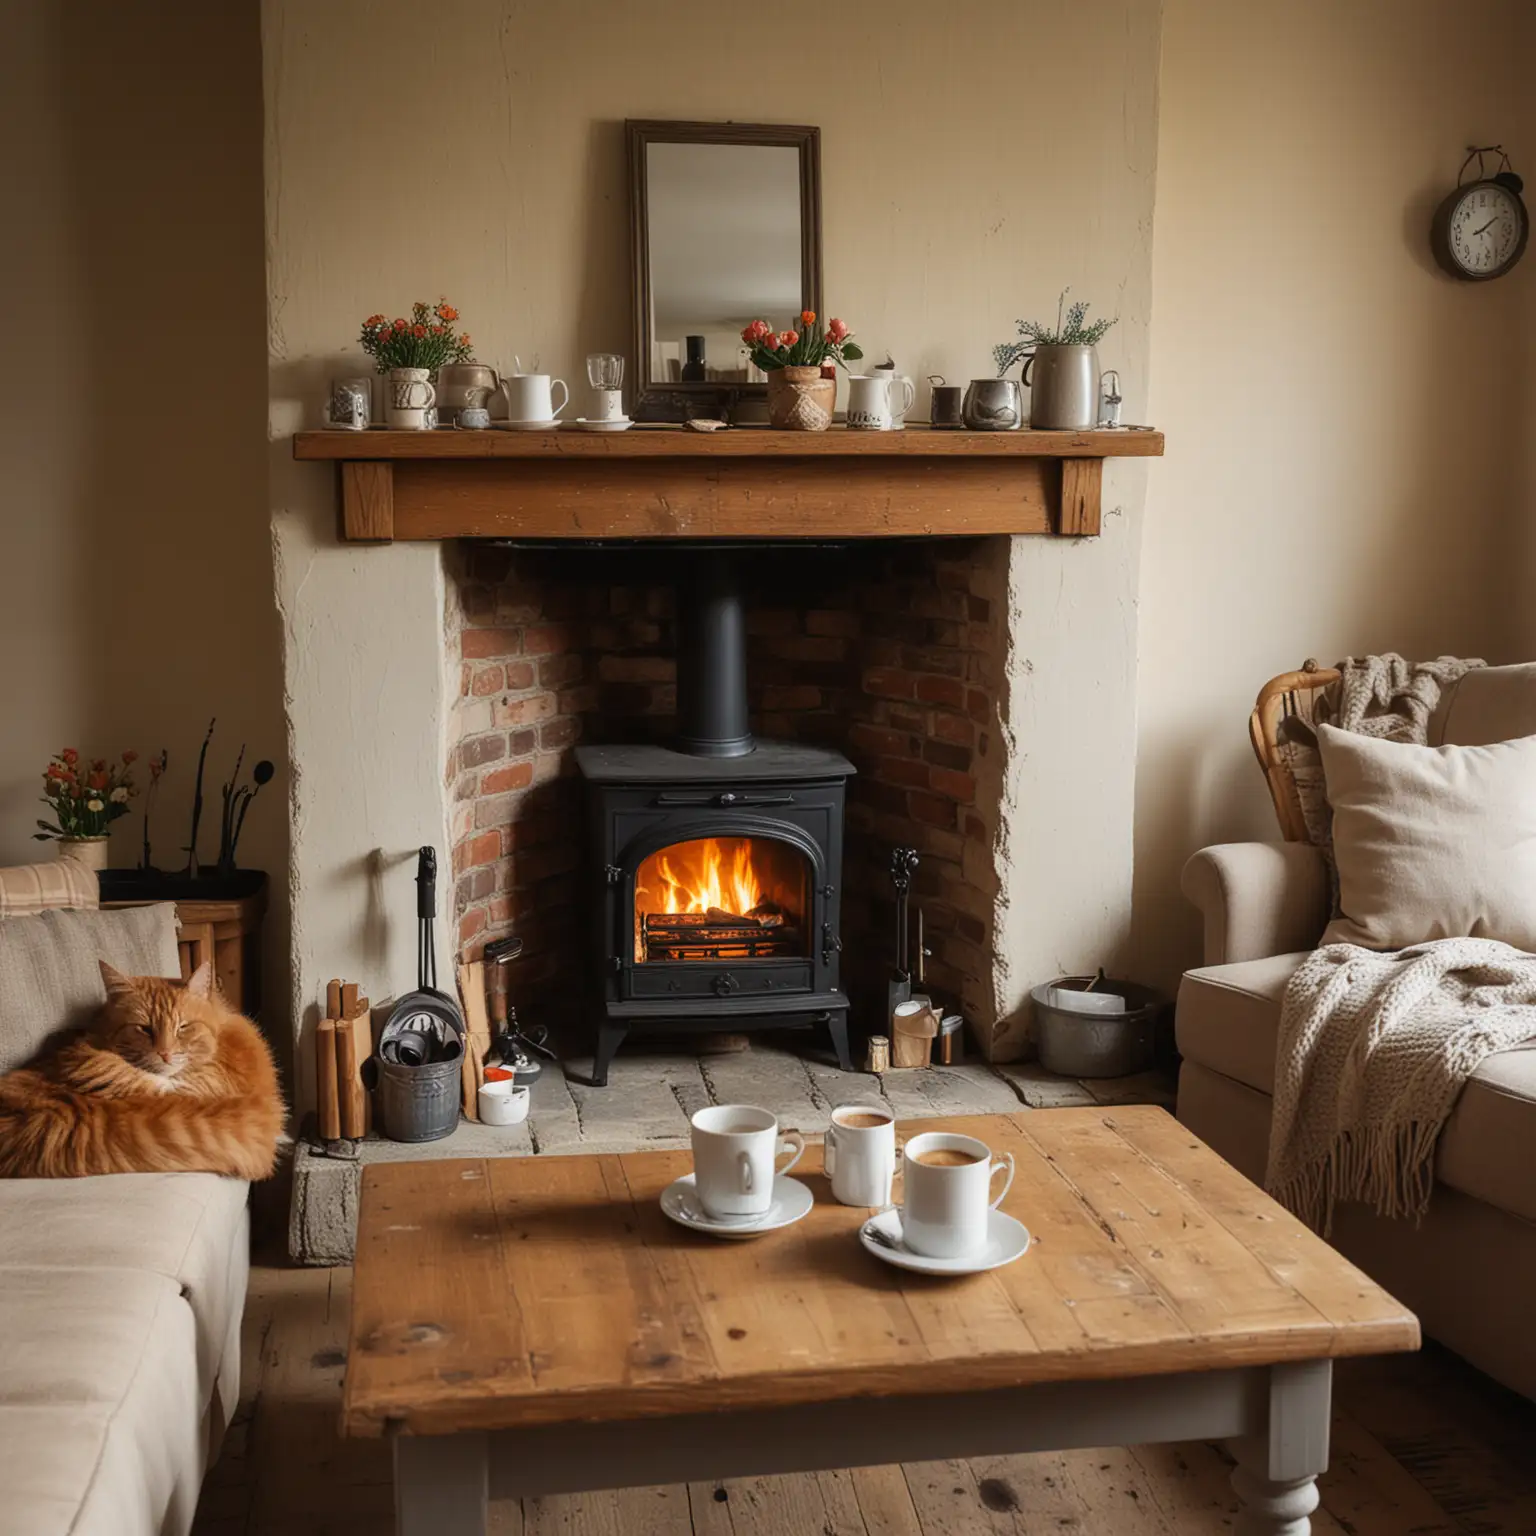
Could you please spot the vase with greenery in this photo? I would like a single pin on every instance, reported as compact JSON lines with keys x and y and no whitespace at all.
{"x":408,"y":352}
{"x":86,"y":798}
{"x":1061,"y":366}
{"x":801,"y":367}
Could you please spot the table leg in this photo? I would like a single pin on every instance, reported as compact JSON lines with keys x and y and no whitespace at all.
{"x":440,"y":1485}
{"x":1276,"y":1471}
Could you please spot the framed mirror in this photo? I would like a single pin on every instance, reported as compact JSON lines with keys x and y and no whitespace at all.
{"x":726,"y":227}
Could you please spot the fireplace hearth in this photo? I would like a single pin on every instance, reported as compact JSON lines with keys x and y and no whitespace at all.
{"x":717,"y":866}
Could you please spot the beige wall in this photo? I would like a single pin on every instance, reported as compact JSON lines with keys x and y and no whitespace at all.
{"x":135,"y":544}
{"x":963,"y":186}
{"x":1342,"y":419}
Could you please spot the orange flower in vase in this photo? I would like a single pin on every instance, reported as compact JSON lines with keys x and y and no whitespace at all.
{"x":802,"y":369}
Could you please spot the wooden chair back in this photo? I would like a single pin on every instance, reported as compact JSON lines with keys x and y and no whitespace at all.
{"x":1282,"y":732}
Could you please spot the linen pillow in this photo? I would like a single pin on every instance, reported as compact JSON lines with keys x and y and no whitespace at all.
{"x":49,"y":978}
{"x":1431,"y":842}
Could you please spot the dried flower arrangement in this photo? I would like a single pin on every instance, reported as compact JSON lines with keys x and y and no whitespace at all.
{"x":1073,"y":329}
{"x":805,"y":348}
{"x":426,"y":340}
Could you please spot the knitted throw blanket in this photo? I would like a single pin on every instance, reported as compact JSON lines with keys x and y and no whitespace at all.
{"x":1373,"y":1051}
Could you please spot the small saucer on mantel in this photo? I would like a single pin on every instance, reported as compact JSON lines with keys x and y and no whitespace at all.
{"x":1007,"y":1240}
{"x":526,"y":426}
{"x":791,"y":1202}
{"x":611,"y":424}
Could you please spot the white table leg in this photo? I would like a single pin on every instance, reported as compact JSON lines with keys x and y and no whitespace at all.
{"x":1276,"y":1472}
{"x":440,"y":1485}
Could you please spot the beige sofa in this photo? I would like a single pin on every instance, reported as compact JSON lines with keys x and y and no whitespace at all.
{"x":1469,"y":1269}
{"x":120,"y":1297}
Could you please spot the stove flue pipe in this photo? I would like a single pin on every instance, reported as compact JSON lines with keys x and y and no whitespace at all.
{"x":712,"y":659}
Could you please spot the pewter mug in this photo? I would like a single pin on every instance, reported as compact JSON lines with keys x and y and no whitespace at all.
{"x":945,"y":403}
{"x":993,"y":405}
{"x":1064,"y":390}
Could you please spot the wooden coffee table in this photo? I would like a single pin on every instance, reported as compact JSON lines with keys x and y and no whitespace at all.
{"x":528,"y":1326}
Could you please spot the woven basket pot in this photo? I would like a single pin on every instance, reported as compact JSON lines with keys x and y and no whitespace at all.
{"x":800,"y":400}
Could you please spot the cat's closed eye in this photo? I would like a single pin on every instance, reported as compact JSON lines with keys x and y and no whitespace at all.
{"x":146,"y":1029}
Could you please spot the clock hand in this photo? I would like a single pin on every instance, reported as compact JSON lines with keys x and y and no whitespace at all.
{"x":1489,"y":225}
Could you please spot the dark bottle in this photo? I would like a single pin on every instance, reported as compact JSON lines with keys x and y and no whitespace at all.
{"x":693,"y":370}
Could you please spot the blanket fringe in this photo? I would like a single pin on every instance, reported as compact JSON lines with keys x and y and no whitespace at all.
{"x":1389,"y":1167}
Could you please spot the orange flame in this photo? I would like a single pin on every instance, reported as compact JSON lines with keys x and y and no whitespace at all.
{"x":701,"y":880}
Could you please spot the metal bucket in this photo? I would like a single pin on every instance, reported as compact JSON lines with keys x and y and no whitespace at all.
{"x":419,"y":1103}
{"x":1101,"y":1044}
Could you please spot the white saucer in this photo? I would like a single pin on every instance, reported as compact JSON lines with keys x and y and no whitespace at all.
{"x":526,"y":426}
{"x":611,"y":424}
{"x":791,"y":1201}
{"x":1007,"y":1240}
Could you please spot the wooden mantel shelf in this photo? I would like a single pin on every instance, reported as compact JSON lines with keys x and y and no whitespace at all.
{"x":667,"y":483}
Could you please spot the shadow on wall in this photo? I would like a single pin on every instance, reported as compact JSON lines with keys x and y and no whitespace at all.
{"x":162,"y":156}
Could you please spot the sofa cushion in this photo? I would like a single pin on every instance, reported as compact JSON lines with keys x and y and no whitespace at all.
{"x":1486,"y":705}
{"x":29,"y":888}
{"x":1431,"y":842}
{"x":100,"y":1421}
{"x":49,"y":977}
{"x":1229,"y":1019}
{"x":180,"y":1226}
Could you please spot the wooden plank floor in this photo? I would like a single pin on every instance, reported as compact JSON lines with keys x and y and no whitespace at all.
{"x":1423,"y":1446}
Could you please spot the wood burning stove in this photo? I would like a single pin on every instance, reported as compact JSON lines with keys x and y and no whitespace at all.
{"x":716,"y":865}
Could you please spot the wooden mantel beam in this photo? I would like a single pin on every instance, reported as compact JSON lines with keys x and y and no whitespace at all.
{"x":670,"y":484}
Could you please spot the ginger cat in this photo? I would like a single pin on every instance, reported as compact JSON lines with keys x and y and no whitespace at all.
{"x":167,"y":1079}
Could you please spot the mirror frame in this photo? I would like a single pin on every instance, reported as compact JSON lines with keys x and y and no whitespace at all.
{"x":669,"y":400}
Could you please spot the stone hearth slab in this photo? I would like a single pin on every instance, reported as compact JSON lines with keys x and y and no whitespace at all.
{"x":648,"y":1101}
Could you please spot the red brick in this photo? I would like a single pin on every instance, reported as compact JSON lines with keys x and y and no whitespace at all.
{"x":539,"y":706}
{"x":485,"y":849}
{"x":559,"y":733}
{"x":953,"y":728}
{"x":558,"y":671}
{"x":578,"y":701}
{"x":544,"y":639}
{"x":478,"y":602}
{"x":475,"y":750}
{"x":887,"y":684}
{"x":471,"y":924}
{"x":799,"y":697}
{"x":932,"y":809}
{"x":496,"y":810}
{"x":832,"y":621}
{"x":466,"y":677}
{"x":508,"y":777}
{"x":487,"y":680}
{"x":944,"y":754}
{"x":477,"y":643}
{"x":925,"y":658}
{"x":903,"y":771}
{"x":519,"y":675}
{"x":522,"y":743}
{"x":941,"y":690}
{"x":902,"y":721}
{"x":636,"y":669}
{"x":878,"y":739}
{"x":978,"y":706}
{"x":958,"y":786}
{"x":978,"y":609}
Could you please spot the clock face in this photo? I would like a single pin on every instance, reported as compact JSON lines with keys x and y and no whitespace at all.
{"x":1486,"y":230}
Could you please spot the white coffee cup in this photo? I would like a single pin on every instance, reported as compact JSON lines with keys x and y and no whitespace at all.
{"x":735,"y":1147}
{"x":530,"y":396}
{"x":944,"y":1209}
{"x":860,"y":1159}
{"x":903,"y":392}
{"x":870,"y":401}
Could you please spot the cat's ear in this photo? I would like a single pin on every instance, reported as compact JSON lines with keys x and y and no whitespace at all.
{"x":114,"y":980}
{"x":200,"y":982}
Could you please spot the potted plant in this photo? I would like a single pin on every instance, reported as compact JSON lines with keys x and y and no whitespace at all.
{"x":1064,"y":391}
{"x":86,"y":799}
{"x":802,"y":379}
{"x":407,"y":352}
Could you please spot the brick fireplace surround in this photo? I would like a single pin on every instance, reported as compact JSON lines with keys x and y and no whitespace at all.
{"x":891,"y":652}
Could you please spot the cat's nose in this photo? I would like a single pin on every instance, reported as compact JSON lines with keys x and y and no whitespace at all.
{"x":165,"y":1056}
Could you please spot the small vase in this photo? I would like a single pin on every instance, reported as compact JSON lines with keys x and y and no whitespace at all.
{"x":800,"y":399}
{"x":90,"y":851}
{"x":409,"y":399}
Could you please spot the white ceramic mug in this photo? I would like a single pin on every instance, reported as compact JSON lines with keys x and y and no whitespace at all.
{"x":944,"y":1209}
{"x":735,"y":1147}
{"x":860,"y":1159}
{"x":869,"y":401}
{"x":607,"y":405}
{"x":410,"y":396}
{"x":903,"y":393}
{"x":530,"y":396}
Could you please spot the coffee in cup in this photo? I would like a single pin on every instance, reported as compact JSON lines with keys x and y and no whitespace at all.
{"x":735,"y":1147}
{"x":859,"y":1154}
{"x":947,"y":1193}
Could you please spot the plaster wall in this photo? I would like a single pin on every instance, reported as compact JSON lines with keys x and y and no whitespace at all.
{"x":1345,"y":422}
{"x":508,"y":194}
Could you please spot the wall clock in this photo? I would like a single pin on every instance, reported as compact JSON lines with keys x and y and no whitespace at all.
{"x":1480,"y":230}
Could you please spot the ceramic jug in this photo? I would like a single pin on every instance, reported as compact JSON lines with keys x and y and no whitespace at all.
{"x":464,"y":386}
{"x":1063,"y":384}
